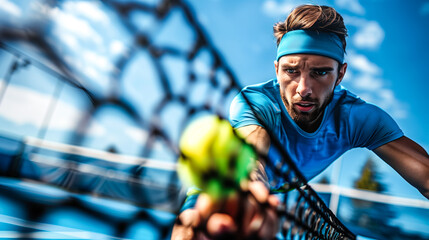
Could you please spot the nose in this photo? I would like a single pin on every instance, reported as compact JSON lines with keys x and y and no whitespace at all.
{"x":304,"y":86}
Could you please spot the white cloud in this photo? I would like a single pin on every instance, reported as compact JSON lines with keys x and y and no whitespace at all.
{"x":276,"y":9}
{"x":349,"y":76}
{"x":99,"y":61}
{"x":82,"y":46}
{"x":201,"y":67}
{"x":90,"y":10}
{"x":361,"y":63}
{"x":137,"y":134}
{"x":367,"y":82}
{"x":66,"y":116}
{"x":23,"y":105}
{"x":369,"y":36}
{"x":83,"y":67}
{"x":354,"y":21}
{"x":91,"y":72}
{"x":18,"y":106}
{"x":117,"y":48}
{"x":92,"y":65}
{"x":351,"y":5}
{"x":372,"y":89}
{"x":386,"y":100}
{"x":42,"y":8}
{"x":141,"y":136}
{"x":10,"y":8}
{"x":69,"y":40}
{"x":98,"y":76}
{"x":69,"y":23}
{"x":387,"y":94}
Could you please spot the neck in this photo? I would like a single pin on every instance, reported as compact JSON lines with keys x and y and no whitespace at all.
{"x":313,"y":125}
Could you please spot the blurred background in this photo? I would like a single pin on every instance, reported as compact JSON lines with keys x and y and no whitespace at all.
{"x":386,"y":53}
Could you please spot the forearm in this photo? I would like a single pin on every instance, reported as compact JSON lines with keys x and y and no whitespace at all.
{"x":259,"y":138}
{"x":410,"y":160}
{"x":259,"y":174}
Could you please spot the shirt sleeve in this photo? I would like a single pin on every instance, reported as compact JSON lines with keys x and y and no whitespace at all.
{"x":257,"y":110}
{"x":371,"y":127}
{"x":191,"y":198}
{"x":190,"y":202}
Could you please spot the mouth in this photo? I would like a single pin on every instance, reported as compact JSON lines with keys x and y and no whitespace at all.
{"x":305,"y":106}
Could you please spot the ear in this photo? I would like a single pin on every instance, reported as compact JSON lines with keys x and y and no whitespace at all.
{"x":341,"y":73}
{"x":276,"y":66}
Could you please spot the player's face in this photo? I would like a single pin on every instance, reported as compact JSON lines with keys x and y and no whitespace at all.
{"x":307,"y":84}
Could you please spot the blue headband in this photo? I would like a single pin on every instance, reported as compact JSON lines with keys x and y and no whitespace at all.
{"x":311,"y":42}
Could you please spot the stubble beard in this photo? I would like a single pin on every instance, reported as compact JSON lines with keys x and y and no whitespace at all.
{"x":308,"y":122}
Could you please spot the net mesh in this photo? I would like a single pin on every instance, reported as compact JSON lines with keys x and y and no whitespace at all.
{"x":158,"y":86}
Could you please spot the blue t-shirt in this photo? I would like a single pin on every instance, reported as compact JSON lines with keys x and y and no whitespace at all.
{"x":348,"y":122}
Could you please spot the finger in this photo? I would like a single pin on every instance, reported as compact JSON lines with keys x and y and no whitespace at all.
{"x":264,"y":221}
{"x":264,"y":224}
{"x":259,"y":190}
{"x":231,"y":205}
{"x":251,"y":219}
{"x":255,"y":225}
{"x":189,"y":218}
{"x":221,"y":224}
{"x":269,"y":227}
{"x":273,"y":200}
{"x":184,"y":227}
{"x":206,"y":206}
{"x":181,"y":232}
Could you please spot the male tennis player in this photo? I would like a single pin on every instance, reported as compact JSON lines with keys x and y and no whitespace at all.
{"x":314,"y":118}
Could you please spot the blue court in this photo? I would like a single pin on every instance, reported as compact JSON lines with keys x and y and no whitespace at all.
{"x":44,"y":201}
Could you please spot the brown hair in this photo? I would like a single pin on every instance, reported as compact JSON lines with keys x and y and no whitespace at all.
{"x":312,"y":17}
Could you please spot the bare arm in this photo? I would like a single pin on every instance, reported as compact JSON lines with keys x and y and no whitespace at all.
{"x":410,"y":160}
{"x":257,"y":136}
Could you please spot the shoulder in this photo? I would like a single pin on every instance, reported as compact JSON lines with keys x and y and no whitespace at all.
{"x":260,"y":96}
{"x":364,"y":111}
{"x":268,"y":88}
{"x":349,"y":106}
{"x":371,"y":118}
{"x":357,"y":110}
{"x":368,"y":125}
{"x":345,"y":98}
{"x":255,"y":104}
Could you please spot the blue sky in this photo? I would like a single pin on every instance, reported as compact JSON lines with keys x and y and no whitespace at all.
{"x":387,"y":49}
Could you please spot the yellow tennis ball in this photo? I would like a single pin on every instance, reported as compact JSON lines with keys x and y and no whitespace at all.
{"x":214,"y":158}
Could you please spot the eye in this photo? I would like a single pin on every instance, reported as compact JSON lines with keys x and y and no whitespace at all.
{"x":320,"y":73}
{"x":290,"y":70}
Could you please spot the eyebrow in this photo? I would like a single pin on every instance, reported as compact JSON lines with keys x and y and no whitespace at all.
{"x":292,"y":65}
{"x":323,"y":69}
